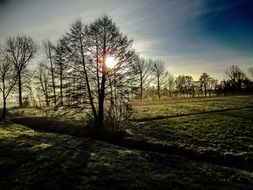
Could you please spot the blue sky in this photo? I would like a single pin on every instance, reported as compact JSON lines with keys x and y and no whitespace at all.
{"x":190,"y":36}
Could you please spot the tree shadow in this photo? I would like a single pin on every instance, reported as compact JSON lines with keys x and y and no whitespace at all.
{"x":53,"y":125}
{"x":43,"y":161}
{"x":77,"y":130}
{"x":187,"y":114}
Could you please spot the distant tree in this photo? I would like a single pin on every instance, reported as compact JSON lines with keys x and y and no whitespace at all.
{"x":204,"y":82}
{"x":184,"y":84}
{"x":188,"y":84}
{"x":234,"y":73}
{"x":213,"y":84}
{"x":171,"y":83}
{"x":49,"y":50}
{"x":8,"y":79}
{"x":251,"y":72}
{"x":19,"y":51}
{"x":160,"y":74}
{"x":144,"y":70}
{"x":236,"y":76}
{"x":180,"y":83}
{"x":194,"y":88}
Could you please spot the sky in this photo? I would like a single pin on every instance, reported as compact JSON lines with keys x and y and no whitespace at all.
{"x":190,"y":36}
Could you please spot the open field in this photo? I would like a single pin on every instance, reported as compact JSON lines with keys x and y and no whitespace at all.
{"x":178,"y":144}
{"x":176,"y":107}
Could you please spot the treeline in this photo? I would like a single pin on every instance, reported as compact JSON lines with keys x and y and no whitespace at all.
{"x":154,"y":82}
{"x":76,"y":75}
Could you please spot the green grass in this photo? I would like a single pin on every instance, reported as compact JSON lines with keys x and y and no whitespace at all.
{"x":217,"y":131}
{"x":189,"y":106}
{"x":220,"y":126}
{"x":225,"y":134}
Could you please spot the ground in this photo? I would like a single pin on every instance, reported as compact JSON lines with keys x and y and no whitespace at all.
{"x":175,"y":144}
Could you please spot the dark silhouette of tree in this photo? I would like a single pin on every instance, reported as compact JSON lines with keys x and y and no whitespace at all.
{"x":188,"y":84}
{"x":251,"y":72}
{"x":194,"y":88}
{"x":103,"y":88}
{"x":236,"y":76}
{"x":213,"y":85}
{"x":61,"y":66}
{"x":8,"y":79}
{"x":42,"y":81}
{"x":19,"y":51}
{"x":184,"y":84}
{"x":144,"y":70}
{"x":49,"y":51}
{"x":171,"y":83}
{"x":237,"y":82}
{"x":181,"y":84}
{"x":160,"y":74}
{"x":204,"y":81}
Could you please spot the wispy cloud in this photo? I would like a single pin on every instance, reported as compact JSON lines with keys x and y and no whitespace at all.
{"x":190,"y":37}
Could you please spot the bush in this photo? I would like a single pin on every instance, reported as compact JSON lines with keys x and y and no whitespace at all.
{"x":117,"y":116}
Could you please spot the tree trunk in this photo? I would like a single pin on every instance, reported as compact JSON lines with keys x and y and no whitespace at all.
{"x":61,"y":87}
{"x":100,"y":119}
{"x":101,"y":97}
{"x":141,"y":85}
{"x":52,"y":75}
{"x":4,"y":108}
{"x":158,"y":87}
{"x":20,"y":90}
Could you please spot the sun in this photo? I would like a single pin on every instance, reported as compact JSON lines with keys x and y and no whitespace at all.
{"x":110,"y":62}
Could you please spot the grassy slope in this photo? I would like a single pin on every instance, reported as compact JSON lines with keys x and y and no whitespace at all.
{"x":34,"y":160}
{"x":189,"y":106}
{"x":228,"y":134}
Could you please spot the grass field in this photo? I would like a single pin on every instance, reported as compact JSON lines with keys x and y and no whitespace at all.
{"x":204,"y":143}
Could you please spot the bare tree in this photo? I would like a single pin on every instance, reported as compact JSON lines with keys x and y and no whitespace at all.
{"x":19,"y":51}
{"x":144,"y":70}
{"x":171,"y":83}
{"x":8,"y":79}
{"x":194,"y":88}
{"x":251,"y":72}
{"x":234,"y":73}
{"x":204,"y":82}
{"x":185,"y":85}
{"x":188,"y":84}
{"x":42,"y":82}
{"x":213,"y":84}
{"x":61,"y":66}
{"x":236,"y":77}
{"x":181,"y":84}
{"x":49,"y":50}
{"x":160,"y":74}
{"x":91,"y":50}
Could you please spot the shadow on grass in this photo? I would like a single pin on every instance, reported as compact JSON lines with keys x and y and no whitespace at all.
{"x":32,"y":162}
{"x":77,"y":130}
{"x":53,"y":125}
{"x":187,"y":114}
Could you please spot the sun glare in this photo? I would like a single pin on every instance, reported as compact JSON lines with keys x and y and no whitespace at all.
{"x":110,"y":62}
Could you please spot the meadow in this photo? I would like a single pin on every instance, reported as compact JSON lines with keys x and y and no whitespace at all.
{"x":201,"y":143}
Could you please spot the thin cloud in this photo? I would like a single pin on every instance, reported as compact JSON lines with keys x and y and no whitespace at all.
{"x":183,"y":34}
